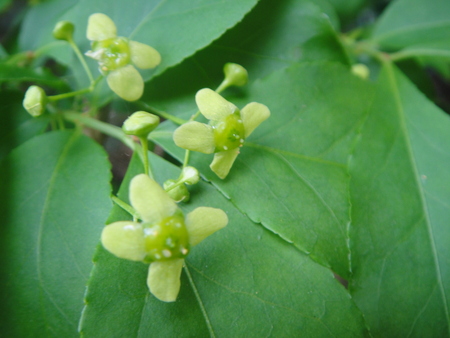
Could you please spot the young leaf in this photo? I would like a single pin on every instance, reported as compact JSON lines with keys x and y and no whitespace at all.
{"x":54,"y":200}
{"x":400,"y":195}
{"x":243,"y":280}
{"x":294,"y":164}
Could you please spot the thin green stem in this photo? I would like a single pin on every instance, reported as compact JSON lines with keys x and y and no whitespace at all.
{"x":147,"y":168}
{"x":125,"y":206}
{"x":161,"y":113}
{"x":193,"y":117}
{"x":70,"y":94}
{"x":105,"y":128}
{"x":60,"y":122}
{"x":414,"y":52}
{"x":82,"y":60}
{"x":186,"y":158}
{"x":224,"y":85}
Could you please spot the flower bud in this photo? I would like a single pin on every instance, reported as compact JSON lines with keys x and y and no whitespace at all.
{"x":140,"y":124}
{"x":361,"y":71}
{"x":235,"y":74}
{"x":189,"y":175}
{"x":178,"y":192}
{"x":35,"y":100}
{"x":64,"y":30}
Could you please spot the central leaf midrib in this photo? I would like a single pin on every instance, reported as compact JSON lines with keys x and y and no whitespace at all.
{"x":401,"y":115}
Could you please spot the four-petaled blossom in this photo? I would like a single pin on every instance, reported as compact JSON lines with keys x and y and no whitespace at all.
{"x":116,"y":56}
{"x":226,"y":132}
{"x":164,"y":238}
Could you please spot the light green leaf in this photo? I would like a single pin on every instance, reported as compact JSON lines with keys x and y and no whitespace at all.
{"x":17,"y":126}
{"x":411,"y":22}
{"x":241,"y":281}
{"x":272,"y":36}
{"x":400,"y":234}
{"x":54,"y":200}
{"x":294,"y":163}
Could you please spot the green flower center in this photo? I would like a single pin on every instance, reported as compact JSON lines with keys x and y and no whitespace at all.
{"x":115,"y":53}
{"x":229,"y":133}
{"x":166,"y":240}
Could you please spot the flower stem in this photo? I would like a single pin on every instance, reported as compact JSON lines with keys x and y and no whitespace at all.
{"x":82,"y":60}
{"x":125,"y":206}
{"x":70,"y":94}
{"x":147,"y":168}
{"x":186,"y":158}
{"x":105,"y":128}
{"x":161,"y":113}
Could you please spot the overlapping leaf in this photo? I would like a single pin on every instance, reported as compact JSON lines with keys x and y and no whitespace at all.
{"x":241,"y":281}
{"x":170,"y":27}
{"x":291,"y":174}
{"x":418,"y":23}
{"x":401,"y":213}
{"x":54,"y":200}
{"x":272,"y":36}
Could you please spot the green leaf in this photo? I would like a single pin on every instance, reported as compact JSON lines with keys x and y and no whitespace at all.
{"x":295,"y":162}
{"x":274,"y":35}
{"x":413,"y":22}
{"x":17,"y":125}
{"x":54,"y":200}
{"x":172,"y":28}
{"x":12,"y":73}
{"x":243,"y":280}
{"x":400,"y":195}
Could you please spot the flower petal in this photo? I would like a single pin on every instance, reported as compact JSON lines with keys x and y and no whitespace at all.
{"x":124,"y":240}
{"x":164,"y":279}
{"x":144,"y":56}
{"x":126,"y":82}
{"x":150,"y":200}
{"x":253,"y":115}
{"x":204,"y":221}
{"x":100,"y":27}
{"x":212,"y":105}
{"x":195,"y":136}
{"x":223,"y":161}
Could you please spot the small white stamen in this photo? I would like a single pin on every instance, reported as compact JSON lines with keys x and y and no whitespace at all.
{"x":225,"y":147}
{"x":178,"y":225}
{"x":184,"y":251}
{"x":166,"y":253}
{"x":240,"y":121}
{"x":241,"y":140}
{"x":158,"y":256}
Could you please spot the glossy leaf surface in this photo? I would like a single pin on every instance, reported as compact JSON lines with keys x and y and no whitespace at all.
{"x":400,"y":209}
{"x":243,"y":280}
{"x":294,"y":164}
{"x":55,"y":200}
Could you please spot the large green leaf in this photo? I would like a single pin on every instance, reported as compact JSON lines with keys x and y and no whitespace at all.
{"x":54,"y":200}
{"x":272,"y":36}
{"x":295,"y":163}
{"x":176,"y":29}
{"x":17,"y":125}
{"x":401,"y":213}
{"x":242,"y":281}
{"x":13,"y":73}
{"x":413,"y":22}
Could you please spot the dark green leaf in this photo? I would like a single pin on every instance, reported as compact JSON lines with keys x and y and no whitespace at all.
{"x":170,"y":27}
{"x":17,"y":125}
{"x":413,"y":22}
{"x":295,"y":163}
{"x":54,"y":200}
{"x":12,"y":73}
{"x":400,"y":235}
{"x":273,"y":36}
{"x":243,"y":281}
